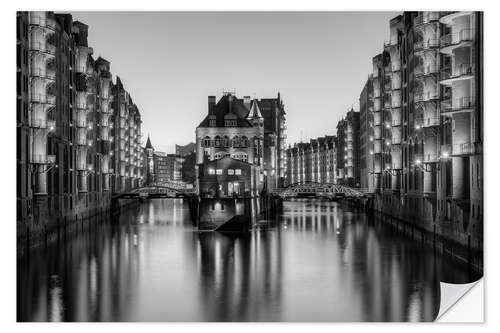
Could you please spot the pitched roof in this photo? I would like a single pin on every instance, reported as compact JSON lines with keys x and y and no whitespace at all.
{"x":148,"y":144}
{"x":254,"y":110}
{"x":228,"y":104}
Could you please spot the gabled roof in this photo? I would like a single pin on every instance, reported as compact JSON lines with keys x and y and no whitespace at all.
{"x":254,"y":110}
{"x":228,"y":104}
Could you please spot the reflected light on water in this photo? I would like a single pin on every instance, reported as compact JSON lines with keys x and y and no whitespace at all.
{"x":319,"y":261}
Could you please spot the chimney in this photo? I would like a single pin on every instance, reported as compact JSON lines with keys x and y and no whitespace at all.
{"x":247,"y":101}
{"x":211,"y":103}
{"x":230,"y":103}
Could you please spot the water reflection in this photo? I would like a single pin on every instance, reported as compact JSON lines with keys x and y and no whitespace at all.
{"x":319,"y":261}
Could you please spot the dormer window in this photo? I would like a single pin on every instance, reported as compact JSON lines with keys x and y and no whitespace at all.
{"x":230,"y":122}
{"x":212,"y":121}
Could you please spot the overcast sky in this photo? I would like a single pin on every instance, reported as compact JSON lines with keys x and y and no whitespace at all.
{"x":171,"y":61}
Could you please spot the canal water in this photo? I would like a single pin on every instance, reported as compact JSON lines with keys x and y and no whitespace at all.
{"x":318,"y":261}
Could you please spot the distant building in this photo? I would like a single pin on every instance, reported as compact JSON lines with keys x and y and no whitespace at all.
{"x":366,"y":121}
{"x":161,"y":168}
{"x":185,"y":150}
{"x":174,"y":166}
{"x":273,"y":112}
{"x":314,"y":161}
{"x":149,"y":163}
{"x":348,"y":171}
{"x":233,"y":128}
{"x":188,"y":169}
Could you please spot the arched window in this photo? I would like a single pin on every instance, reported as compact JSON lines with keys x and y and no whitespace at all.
{"x":244,"y":142}
{"x":206,"y":141}
{"x":226,"y":142}
{"x":217,"y":141}
{"x":236,"y":141}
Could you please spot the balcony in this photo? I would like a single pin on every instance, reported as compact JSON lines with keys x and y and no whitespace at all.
{"x":430,"y":158}
{"x":41,"y":72}
{"x":425,"y":70}
{"x":448,"y":17}
{"x":427,"y":45}
{"x":426,"y":122}
{"x":43,"y":124}
{"x":425,"y":18}
{"x":426,"y":96}
{"x":43,"y":47}
{"x":462,"y":104}
{"x":43,"y":99}
{"x":462,"y":38}
{"x":459,"y":72}
{"x":461,"y":149}
{"x":43,"y":159}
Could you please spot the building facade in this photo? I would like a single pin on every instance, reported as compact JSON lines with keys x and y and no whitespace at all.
{"x":314,"y":161}
{"x":425,"y":115}
{"x":185,"y":150}
{"x":273,"y":112}
{"x":234,"y":128}
{"x":161,"y":168}
{"x":64,"y":124}
{"x":348,"y":168}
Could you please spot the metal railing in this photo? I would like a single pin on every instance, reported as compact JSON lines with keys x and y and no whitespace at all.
{"x":466,"y":148}
{"x":462,"y":70}
{"x":426,"y":70}
{"x":43,"y":159}
{"x":457,"y":37}
{"x":427,"y":96}
{"x":425,"y":18}
{"x":458,"y":104}
{"x":428,"y":44}
{"x":43,"y":98}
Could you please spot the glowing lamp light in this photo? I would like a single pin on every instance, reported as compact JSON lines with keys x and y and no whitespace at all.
{"x":417,"y":127}
{"x":418,"y":162}
{"x":51,"y":128}
{"x":371,"y":138}
{"x":387,"y":126}
{"x":445,"y":154}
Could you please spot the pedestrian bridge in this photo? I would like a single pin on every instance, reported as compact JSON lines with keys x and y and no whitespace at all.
{"x":159,"y":190}
{"x":319,"y":190}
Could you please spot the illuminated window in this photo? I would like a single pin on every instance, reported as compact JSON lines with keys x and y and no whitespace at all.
{"x":237,"y":171}
{"x":211,"y":171}
{"x":219,"y":171}
{"x":230,"y":171}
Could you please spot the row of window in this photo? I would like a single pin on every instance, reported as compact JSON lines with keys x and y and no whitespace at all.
{"x":226,"y":142}
{"x":230,"y":172}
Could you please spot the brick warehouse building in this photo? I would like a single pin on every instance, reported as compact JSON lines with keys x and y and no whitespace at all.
{"x":420,"y":127}
{"x":314,"y":161}
{"x":427,"y":123}
{"x":252,"y":131}
{"x":70,"y":133}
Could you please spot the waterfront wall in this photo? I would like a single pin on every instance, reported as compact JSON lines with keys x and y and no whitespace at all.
{"x":463,"y":241}
{"x":46,"y":228}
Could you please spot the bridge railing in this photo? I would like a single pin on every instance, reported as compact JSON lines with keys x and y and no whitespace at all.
{"x":321,"y":189}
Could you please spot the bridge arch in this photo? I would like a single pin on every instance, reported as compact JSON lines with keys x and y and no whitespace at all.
{"x":320,"y":190}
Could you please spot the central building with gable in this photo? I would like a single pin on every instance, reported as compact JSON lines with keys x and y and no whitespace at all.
{"x":230,"y":148}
